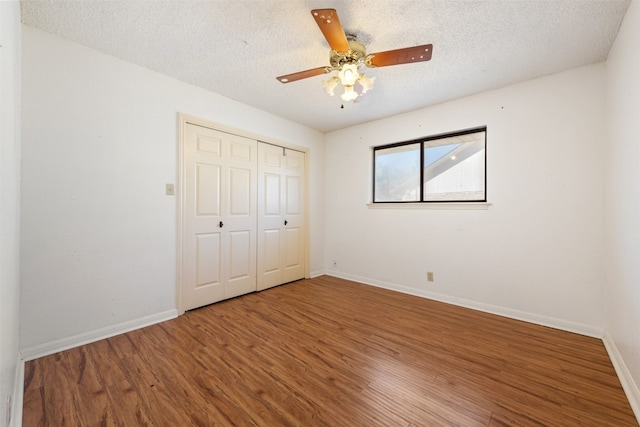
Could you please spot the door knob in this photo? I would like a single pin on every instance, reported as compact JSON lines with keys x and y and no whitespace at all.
{"x":221,"y":224}
{"x":286,"y":222}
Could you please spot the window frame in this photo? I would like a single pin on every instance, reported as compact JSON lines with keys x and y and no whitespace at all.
{"x":421,"y":142}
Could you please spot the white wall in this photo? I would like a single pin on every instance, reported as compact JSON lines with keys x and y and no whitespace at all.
{"x":99,"y":144}
{"x":623,"y":205}
{"x":10,"y":39}
{"x":535,"y":253}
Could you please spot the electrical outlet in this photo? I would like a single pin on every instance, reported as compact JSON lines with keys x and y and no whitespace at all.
{"x":430,"y":276}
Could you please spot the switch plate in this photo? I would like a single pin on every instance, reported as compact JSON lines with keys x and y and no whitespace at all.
{"x":170,"y":190}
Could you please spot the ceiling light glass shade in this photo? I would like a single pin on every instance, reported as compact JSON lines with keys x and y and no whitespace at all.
{"x":349,"y":94}
{"x":349,"y":74}
{"x":366,"y":82}
{"x":330,"y":85}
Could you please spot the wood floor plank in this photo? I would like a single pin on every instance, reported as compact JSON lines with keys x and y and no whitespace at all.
{"x":330,"y":352}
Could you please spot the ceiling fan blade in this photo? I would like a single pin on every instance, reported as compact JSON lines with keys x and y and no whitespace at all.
{"x":400,"y":56}
{"x":303,"y":74}
{"x":329,"y":23}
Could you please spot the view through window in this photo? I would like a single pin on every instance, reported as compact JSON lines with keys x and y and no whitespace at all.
{"x":442,"y":168}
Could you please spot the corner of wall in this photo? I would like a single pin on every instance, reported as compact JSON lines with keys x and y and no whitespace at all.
{"x":10,"y":150}
{"x":629,"y":386}
{"x":18,"y":394}
{"x":621,"y":295}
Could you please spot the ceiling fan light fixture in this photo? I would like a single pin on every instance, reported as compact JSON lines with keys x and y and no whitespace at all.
{"x":349,"y":94}
{"x":366,"y":82}
{"x":348,"y":74}
{"x":330,"y":85}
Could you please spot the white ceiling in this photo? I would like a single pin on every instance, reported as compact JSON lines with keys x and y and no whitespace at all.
{"x":236,"y":48}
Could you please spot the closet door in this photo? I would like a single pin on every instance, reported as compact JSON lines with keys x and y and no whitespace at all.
{"x":294,"y":231}
{"x":220,"y":214}
{"x":281,"y":234}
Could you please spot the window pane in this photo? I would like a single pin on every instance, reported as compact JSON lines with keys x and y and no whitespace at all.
{"x":454,"y":168}
{"x":397,"y":171}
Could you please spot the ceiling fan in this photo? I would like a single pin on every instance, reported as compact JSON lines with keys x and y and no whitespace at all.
{"x":347,"y":55}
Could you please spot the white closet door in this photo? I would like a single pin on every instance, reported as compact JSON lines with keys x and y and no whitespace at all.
{"x":294,"y":196}
{"x":281,"y":193}
{"x":270,"y":216}
{"x":220,"y":214}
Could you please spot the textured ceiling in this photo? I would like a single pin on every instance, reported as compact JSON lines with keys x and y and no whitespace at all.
{"x":236,"y":48}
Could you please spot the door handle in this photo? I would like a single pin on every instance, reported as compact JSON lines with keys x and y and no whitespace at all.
{"x":286,"y":222}
{"x":221,"y":224}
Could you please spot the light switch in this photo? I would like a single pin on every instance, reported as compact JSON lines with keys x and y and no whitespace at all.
{"x":170,"y":190}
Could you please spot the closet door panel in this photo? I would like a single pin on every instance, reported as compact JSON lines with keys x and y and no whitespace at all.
{"x":240,"y":212}
{"x":269,"y":216}
{"x":280,"y":216}
{"x":294,"y":196}
{"x":219,"y":216}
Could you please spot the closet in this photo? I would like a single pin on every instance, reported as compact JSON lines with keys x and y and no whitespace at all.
{"x":242,"y":216}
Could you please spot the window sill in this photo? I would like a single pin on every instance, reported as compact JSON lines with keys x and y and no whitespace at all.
{"x":433,"y":205}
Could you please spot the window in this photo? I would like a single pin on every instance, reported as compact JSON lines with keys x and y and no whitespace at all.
{"x":442,"y":168}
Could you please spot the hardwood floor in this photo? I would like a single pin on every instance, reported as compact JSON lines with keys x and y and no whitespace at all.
{"x":329,"y":352}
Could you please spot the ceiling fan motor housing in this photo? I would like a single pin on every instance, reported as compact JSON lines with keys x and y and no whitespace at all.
{"x":355,"y":55}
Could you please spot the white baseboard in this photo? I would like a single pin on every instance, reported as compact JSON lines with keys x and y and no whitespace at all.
{"x":40,"y":350}
{"x":316,"y":273}
{"x":628,"y":384}
{"x":565,"y":325}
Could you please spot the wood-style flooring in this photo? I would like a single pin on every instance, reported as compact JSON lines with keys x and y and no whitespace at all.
{"x":329,"y":352}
